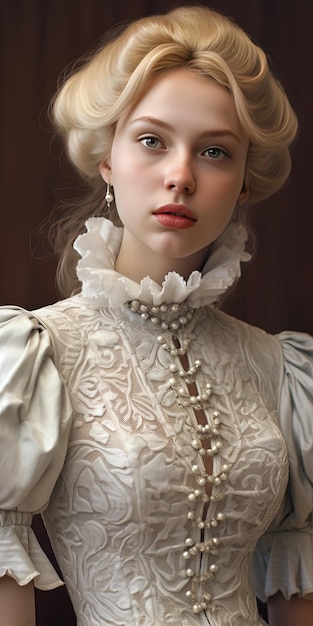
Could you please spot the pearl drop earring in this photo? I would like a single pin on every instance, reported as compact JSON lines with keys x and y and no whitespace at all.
{"x":108,"y":196}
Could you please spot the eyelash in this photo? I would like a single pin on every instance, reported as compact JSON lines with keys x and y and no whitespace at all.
{"x":149,"y":138}
{"x":222,"y":154}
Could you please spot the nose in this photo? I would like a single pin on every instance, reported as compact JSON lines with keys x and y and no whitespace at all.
{"x":179,"y":175}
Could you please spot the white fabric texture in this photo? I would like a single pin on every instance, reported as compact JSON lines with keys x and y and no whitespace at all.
{"x":93,"y":435}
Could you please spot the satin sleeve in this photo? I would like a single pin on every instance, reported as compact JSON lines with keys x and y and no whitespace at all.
{"x":283,"y":560}
{"x":35,"y":420}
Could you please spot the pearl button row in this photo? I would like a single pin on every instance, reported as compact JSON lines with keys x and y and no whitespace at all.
{"x":171,"y":349}
{"x":187,"y":375}
{"x":200,"y":523}
{"x":202,"y":600}
{"x":216,"y":479}
{"x":172,"y":318}
{"x":205,"y":602}
{"x":199,"y":401}
{"x":202,"y":546}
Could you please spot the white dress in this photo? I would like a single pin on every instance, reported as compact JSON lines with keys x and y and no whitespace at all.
{"x":156,"y":483}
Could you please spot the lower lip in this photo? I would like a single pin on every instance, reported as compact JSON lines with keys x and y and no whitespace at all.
{"x":174,"y":221}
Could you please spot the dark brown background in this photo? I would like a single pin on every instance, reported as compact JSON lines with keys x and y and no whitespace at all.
{"x":38,"y":38}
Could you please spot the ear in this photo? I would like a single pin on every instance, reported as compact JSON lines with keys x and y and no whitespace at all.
{"x":105,"y":171}
{"x":244,"y":194}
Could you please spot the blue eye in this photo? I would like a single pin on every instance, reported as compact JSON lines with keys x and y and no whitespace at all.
{"x":151,"y":142}
{"x":215,"y":153}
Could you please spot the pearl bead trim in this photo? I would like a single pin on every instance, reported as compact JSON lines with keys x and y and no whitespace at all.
{"x":182,"y":312}
{"x":172,"y":318}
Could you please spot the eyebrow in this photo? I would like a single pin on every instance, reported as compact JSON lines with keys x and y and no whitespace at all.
{"x":206,"y":133}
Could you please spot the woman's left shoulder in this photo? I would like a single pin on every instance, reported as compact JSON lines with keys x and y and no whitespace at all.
{"x":295,"y":410}
{"x":297,"y":349}
{"x":283,"y":560}
{"x":257,"y":346}
{"x":287,"y":357}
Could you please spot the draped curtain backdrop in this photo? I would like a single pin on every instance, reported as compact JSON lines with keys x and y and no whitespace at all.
{"x":38,"y":39}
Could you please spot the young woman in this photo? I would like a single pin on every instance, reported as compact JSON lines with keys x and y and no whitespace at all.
{"x":166,"y":444}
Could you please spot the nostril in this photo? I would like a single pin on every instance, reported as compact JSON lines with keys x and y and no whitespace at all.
{"x":179,"y":187}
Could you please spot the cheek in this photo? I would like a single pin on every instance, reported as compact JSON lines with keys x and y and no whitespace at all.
{"x":226,"y":192}
{"x":234,"y":187}
{"x":127,"y":173}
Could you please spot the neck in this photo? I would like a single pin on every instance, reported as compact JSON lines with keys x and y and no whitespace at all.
{"x":136,"y":265}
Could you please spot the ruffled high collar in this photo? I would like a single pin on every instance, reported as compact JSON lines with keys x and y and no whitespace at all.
{"x":102,"y":286}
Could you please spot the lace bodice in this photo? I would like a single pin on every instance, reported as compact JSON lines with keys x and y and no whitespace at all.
{"x":129,"y":502}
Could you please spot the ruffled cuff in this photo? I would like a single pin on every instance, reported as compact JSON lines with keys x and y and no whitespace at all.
{"x":21,"y":556}
{"x":276,"y":568}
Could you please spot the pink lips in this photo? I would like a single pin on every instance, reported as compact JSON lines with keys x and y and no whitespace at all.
{"x":175,"y":216}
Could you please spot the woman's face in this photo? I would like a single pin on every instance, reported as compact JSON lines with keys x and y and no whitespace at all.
{"x":177,"y":166}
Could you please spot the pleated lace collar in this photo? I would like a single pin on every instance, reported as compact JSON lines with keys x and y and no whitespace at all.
{"x":102,"y":286}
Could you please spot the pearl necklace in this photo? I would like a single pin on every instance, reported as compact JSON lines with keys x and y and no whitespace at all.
{"x":182,"y":313}
{"x":173,"y":318}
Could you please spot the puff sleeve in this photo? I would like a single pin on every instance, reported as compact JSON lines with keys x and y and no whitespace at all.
{"x":35,"y":418}
{"x":283,"y":560}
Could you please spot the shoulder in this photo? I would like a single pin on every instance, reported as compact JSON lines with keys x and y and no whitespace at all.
{"x":253,"y":356}
{"x":255,"y":343}
{"x":35,"y":410}
{"x":21,"y":332}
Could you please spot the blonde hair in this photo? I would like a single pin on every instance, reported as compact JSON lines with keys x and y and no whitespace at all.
{"x":91,"y":101}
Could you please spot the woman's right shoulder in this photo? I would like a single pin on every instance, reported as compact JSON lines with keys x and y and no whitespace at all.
{"x":18,"y":328}
{"x":35,"y":410}
{"x":50,"y":331}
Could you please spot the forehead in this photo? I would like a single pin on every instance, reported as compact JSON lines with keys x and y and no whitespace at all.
{"x":185,"y":95}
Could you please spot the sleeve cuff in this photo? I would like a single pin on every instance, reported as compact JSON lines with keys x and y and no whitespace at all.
{"x":283,"y":562}
{"x":21,"y":556}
